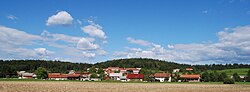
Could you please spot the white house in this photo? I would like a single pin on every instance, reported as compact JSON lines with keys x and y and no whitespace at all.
{"x":115,"y":76}
{"x":25,"y":75}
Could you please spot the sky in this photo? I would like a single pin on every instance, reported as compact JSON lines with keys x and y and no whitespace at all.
{"x":90,"y":31}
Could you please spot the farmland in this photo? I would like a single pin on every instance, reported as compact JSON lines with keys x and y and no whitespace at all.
{"x":240,"y":71}
{"x":62,"y":86}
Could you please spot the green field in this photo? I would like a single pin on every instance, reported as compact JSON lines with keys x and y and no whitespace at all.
{"x":230,"y":72}
{"x":39,"y":80}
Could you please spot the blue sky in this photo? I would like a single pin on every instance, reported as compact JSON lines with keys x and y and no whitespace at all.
{"x":183,"y":31}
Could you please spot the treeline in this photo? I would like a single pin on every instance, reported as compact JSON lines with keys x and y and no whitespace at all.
{"x":8,"y":68}
{"x":220,"y":66}
{"x":223,"y":77}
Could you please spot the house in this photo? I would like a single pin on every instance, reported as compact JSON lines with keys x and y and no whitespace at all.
{"x":162,"y":77}
{"x":176,"y":70}
{"x":122,"y":70}
{"x":189,"y":69}
{"x":57,"y":76}
{"x":85,"y":76}
{"x":25,"y":75}
{"x":111,"y":70}
{"x":73,"y":76}
{"x":242,"y":78}
{"x":190,"y":77}
{"x":133,"y":70}
{"x":115,"y":76}
{"x":135,"y":77}
{"x":117,"y":73}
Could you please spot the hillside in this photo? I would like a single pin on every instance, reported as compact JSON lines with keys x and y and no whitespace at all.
{"x":145,"y":63}
{"x":240,"y":71}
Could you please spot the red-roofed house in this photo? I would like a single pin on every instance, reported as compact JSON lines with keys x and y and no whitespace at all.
{"x":57,"y":76}
{"x":60,"y":76}
{"x":162,"y":77}
{"x":134,"y":70}
{"x":191,"y":77}
{"x":85,"y":76}
{"x":73,"y":76}
{"x":135,"y":77}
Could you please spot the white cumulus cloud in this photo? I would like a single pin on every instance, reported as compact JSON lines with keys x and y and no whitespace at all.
{"x":233,"y":46}
{"x":94,"y":30}
{"x":139,"y":42}
{"x":61,"y":18}
{"x":86,"y":44}
{"x":88,"y":55}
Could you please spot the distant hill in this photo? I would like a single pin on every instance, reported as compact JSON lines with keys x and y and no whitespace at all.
{"x":144,"y":63}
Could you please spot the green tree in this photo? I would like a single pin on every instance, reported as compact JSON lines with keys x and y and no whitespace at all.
{"x":101,"y":76}
{"x":228,"y":81}
{"x":205,"y":77}
{"x":212,"y":77}
{"x":93,"y":75}
{"x":92,"y":69}
{"x":222,"y":76}
{"x":216,"y":76}
{"x":236,"y":77}
{"x":248,"y":76}
{"x":100,"y":71}
{"x":41,"y":73}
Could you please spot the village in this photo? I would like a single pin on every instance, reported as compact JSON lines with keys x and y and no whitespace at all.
{"x":117,"y":74}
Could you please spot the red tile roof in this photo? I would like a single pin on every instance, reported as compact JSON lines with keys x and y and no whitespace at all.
{"x":73,"y":75}
{"x":190,"y":76}
{"x":113,"y":67}
{"x":131,"y":69}
{"x":189,"y":69}
{"x":162,"y":75}
{"x":57,"y":75}
{"x":135,"y":76}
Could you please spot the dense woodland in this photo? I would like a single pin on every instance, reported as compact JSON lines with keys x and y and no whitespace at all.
{"x":8,"y":68}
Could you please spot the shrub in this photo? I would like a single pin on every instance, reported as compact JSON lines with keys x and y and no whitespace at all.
{"x":228,"y":81}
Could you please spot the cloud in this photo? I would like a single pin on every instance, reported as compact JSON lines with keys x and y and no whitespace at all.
{"x":79,"y":22}
{"x":88,"y":55}
{"x":16,"y":44}
{"x":86,"y":44}
{"x":61,"y":18}
{"x":12,"y":17}
{"x":170,"y":46}
{"x":233,"y":46}
{"x":94,"y":30}
{"x":60,"y":37}
{"x":139,"y":42}
{"x":16,"y":37}
{"x":120,"y":53}
{"x":101,"y":52}
{"x":75,"y":48}
{"x":43,"y":53}
{"x":13,"y":43}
